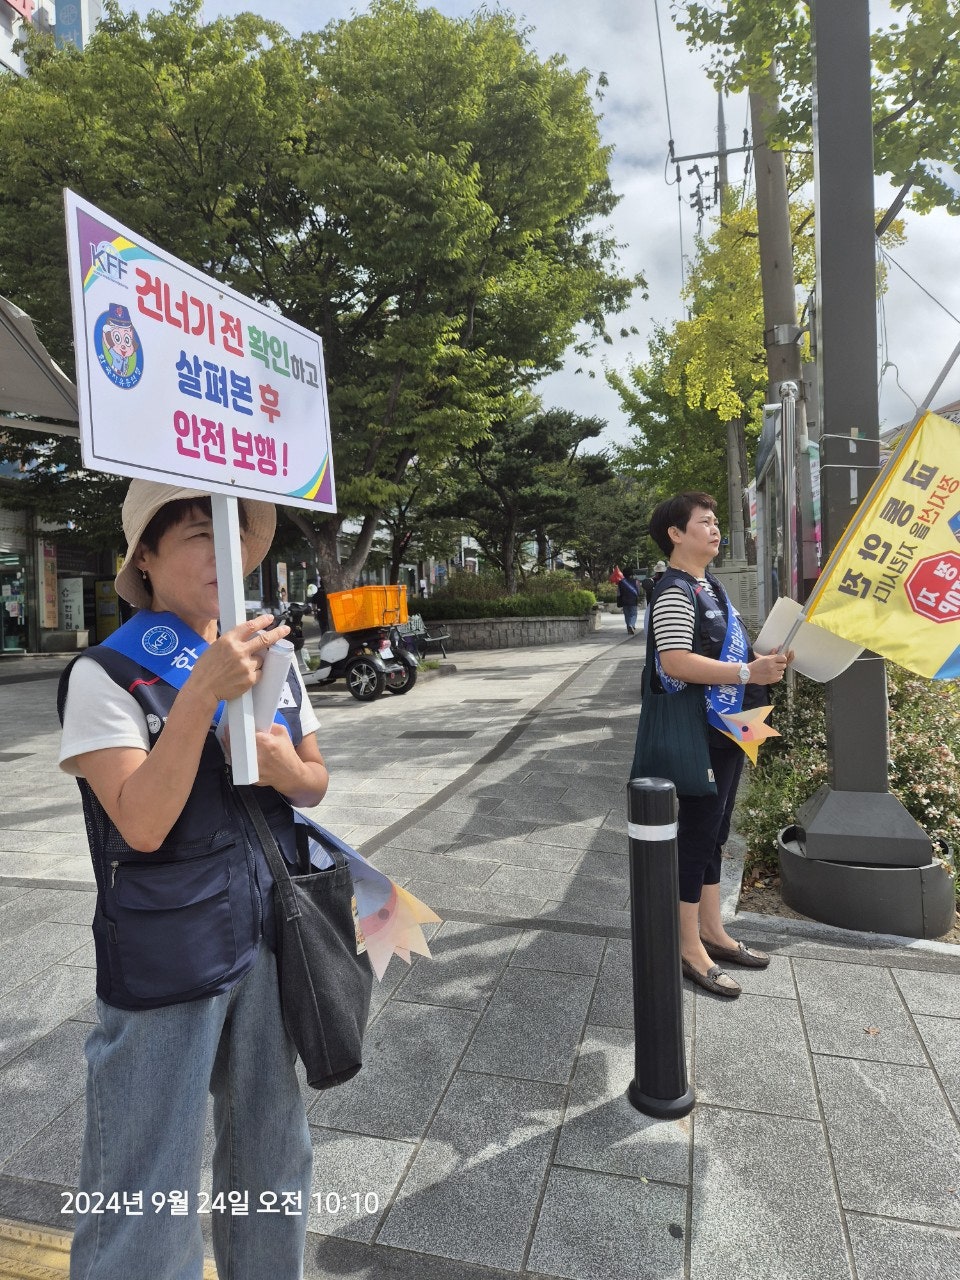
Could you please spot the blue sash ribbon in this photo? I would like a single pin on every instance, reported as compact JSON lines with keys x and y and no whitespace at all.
{"x":722,"y":699}
{"x":165,"y":645}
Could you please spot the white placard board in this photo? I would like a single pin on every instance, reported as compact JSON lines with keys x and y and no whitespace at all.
{"x":181,"y":379}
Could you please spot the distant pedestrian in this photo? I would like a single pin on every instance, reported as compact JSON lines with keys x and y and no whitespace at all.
{"x":646,"y":586}
{"x":628,"y":599}
{"x":423,"y":588}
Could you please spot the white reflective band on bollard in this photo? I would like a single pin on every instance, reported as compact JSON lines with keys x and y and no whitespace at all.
{"x":637,"y":832}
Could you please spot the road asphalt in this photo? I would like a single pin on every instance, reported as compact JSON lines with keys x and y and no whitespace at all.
{"x":489,"y":1134}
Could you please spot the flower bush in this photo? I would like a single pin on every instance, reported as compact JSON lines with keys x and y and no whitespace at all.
{"x":924,"y":761}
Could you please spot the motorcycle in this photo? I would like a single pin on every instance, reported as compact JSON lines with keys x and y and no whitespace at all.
{"x":371,"y":661}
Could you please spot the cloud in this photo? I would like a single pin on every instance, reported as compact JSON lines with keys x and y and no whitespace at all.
{"x":619,"y":38}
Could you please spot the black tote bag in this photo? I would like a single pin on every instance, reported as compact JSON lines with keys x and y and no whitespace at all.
{"x":325,"y":973}
{"x":672,"y":733}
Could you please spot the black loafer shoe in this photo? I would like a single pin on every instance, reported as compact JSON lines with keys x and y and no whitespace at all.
{"x":740,"y":954}
{"x":714,"y":980}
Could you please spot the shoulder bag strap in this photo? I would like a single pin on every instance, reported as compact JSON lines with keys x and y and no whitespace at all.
{"x":275,"y":859}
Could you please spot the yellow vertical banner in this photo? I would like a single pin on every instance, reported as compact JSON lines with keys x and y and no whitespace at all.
{"x":893,"y":585}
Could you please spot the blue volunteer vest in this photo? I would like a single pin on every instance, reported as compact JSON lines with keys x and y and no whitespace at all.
{"x":721,"y":636}
{"x":185,"y":922}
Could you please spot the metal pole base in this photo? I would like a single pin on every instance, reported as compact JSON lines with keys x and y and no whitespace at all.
{"x":661,"y":1108}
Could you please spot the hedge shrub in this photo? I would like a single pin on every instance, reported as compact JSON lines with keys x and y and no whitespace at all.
{"x":550,"y":604}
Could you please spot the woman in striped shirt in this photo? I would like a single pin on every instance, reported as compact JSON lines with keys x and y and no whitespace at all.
{"x":686,"y":598}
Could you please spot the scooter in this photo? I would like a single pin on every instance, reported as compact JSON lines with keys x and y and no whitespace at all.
{"x":367,"y":660}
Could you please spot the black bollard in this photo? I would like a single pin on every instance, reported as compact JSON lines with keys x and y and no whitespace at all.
{"x":659,"y":1086}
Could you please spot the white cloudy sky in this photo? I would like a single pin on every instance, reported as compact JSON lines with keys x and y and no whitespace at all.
{"x":619,"y":37}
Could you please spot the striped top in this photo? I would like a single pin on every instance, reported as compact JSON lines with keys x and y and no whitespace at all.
{"x":674,"y":617}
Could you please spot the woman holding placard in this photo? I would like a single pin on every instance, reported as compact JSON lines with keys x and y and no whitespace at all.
{"x":188,"y":998}
{"x":704,"y":689}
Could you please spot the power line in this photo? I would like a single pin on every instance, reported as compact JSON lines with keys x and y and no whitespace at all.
{"x":666,"y":99}
{"x":888,"y":257}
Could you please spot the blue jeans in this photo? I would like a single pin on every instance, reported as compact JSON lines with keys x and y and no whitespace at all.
{"x":149,"y":1074}
{"x":630,"y":616}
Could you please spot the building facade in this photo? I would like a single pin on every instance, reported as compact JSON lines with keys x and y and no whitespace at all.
{"x":70,"y":21}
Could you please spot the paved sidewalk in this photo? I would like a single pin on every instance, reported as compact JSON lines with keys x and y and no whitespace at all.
{"x":488,"y":1135}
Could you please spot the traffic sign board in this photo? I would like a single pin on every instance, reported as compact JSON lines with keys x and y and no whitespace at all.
{"x":933,"y":587}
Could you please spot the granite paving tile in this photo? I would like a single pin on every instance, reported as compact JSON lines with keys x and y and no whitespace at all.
{"x":886,"y":1250}
{"x":582,"y":836}
{"x":752,"y":1055}
{"x":605,"y":866}
{"x":586,"y":913}
{"x":603,"y":1131}
{"x":758,"y":1213}
{"x":468,"y":872}
{"x":856,"y":1012}
{"x":896,"y":1147}
{"x":472,"y":1190}
{"x":419,"y":840}
{"x":517,"y":853}
{"x":87,"y":1014}
{"x":32,"y":952}
{"x":935,"y":993}
{"x":465,"y":965}
{"x":409,"y":1054}
{"x":531,"y":1026}
{"x":53,"y":1154}
{"x":522,"y":809}
{"x":35,"y":1008}
{"x":776,"y":981}
{"x":594,"y":1226}
{"x":942,"y":1039}
{"x":447,"y":897}
{"x":354,"y":1178}
{"x":38,"y":843}
{"x":537,"y":882}
{"x":559,"y":952}
{"x":29,"y":909}
{"x":40,"y":1084}
{"x":613,"y":998}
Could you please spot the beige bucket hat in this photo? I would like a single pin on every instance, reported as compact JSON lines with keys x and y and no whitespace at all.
{"x":145,"y":498}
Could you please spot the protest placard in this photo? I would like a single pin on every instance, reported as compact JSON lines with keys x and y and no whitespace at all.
{"x":183,"y":380}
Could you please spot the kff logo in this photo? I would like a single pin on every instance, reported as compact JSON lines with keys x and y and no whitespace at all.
{"x":107,"y":262}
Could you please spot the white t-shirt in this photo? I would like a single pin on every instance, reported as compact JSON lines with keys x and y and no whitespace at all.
{"x":99,"y":713}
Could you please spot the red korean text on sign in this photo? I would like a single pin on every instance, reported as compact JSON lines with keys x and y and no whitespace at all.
{"x":933,"y":587}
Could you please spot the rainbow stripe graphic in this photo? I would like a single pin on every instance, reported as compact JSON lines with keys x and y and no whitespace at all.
{"x":124,"y":249}
{"x":312,"y":488}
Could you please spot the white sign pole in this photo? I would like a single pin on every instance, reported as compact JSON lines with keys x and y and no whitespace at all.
{"x":226,"y":544}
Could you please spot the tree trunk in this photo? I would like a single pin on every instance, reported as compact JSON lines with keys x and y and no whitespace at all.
{"x":509,"y":558}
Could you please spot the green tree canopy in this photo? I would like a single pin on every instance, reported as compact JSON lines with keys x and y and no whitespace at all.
{"x":425,"y":193}
{"x":611,"y":527}
{"x":524,"y":478}
{"x":916,"y":74}
{"x":677,"y":444}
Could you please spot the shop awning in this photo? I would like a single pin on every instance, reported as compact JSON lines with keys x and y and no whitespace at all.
{"x":35,"y":393}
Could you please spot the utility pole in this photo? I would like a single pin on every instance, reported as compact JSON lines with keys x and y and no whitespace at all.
{"x":853,"y":834}
{"x":735,"y":443}
{"x":781,"y":336}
